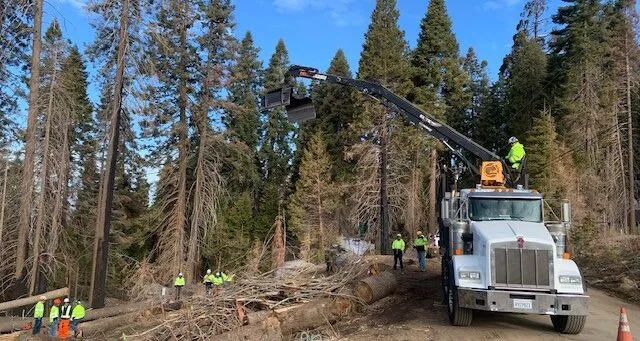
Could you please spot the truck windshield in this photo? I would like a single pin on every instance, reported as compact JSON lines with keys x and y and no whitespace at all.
{"x":481,"y":209}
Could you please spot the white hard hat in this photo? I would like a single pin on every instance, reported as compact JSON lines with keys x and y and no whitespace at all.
{"x":43,"y":298}
{"x":398,"y":235}
{"x":513,"y":139}
{"x":208,"y":271}
{"x":66,"y":300}
{"x":218,"y":273}
{"x":180,"y":274}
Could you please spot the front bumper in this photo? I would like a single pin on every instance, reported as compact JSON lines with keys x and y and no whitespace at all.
{"x":527,"y":302}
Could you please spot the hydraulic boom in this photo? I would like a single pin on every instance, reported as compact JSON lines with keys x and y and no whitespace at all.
{"x":493,"y":171}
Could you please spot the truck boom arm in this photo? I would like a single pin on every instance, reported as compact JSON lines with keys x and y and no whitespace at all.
{"x":426,"y":122}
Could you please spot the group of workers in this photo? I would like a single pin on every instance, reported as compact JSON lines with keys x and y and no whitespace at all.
{"x":420,"y":244}
{"x":211,"y":280}
{"x":62,"y":316}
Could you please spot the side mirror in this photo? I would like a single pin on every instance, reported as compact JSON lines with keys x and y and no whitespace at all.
{"x":565,"y":212}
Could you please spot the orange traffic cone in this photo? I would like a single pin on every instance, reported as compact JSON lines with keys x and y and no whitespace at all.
{"x":624,"y":332}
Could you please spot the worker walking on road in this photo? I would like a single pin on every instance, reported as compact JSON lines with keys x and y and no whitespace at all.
{"x":516,"y":153}
{"x":38,"y":314}
{"x":65,"y":319}
{"x":420,"y":245}
{"x":54,"y":318}
{"x":398,"y":249}
{"x":178,"y":284}
{"x":76,"y":316}
{"x":208,"y":281}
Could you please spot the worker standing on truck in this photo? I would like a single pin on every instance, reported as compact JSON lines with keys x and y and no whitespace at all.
{"x":65,"y":318}
{"x":76,"y":315}
{"x":398,"y":249}
{"x":54,"y":318}
{"x":420,"y":245}
{"x":38,"y":314}
{"x":516,"y":153}
{"x":178,"y":284}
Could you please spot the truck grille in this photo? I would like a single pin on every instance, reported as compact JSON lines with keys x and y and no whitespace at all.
{"x":525,"y":268}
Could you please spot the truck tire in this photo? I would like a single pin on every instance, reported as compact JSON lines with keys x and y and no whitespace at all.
{"x":457,"y":316}
{"x":568,"y":324}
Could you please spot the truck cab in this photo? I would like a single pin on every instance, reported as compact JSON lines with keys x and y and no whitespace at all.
{"x":499,"y":254}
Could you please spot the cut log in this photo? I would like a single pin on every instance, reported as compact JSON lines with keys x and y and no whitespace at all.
{"x":258,"y":316}
{"x":371,"y":289}
{"x":312,"y":315}
{"x":33,"y":299}
{"x":267,"y":330}
{"x":105,"y":325}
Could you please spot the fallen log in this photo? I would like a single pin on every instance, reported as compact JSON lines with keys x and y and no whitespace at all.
{"x":255,"y":317}
{"x":373,"y":288}
{"x":313,"y":314}
{"x":104,"y":325}
{"x":267,"y":330}
{"x":21,"y":302}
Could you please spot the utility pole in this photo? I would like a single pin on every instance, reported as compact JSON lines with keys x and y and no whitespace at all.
{"x":103,"y":221}
{"x":384,"y":202}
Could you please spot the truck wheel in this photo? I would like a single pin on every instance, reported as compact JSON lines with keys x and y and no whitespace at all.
{"x":445,"y":280}
{"x":568,"y":324}
{"x":458,"y":316}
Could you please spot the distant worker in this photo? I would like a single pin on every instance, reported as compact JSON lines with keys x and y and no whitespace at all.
{"x":65,"y":319}
{"x":226,"y":279}
{"x":38,"y":314}
{"x":420,"y":245}
{"x":76,"y":316}
{"x":208,"y":281}
{"x":178,"y":284}
{"x":398,"y":249}
{"x":54,"y":317}
{"x":516,"y":153}
{"x":217,"y":280}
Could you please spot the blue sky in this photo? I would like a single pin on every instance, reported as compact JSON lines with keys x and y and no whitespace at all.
{"x":313,"y":30}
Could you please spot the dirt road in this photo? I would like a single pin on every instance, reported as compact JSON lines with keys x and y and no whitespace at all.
{"x":416,"y":311}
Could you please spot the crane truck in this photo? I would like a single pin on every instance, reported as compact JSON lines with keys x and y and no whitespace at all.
{"x":498,"y":251}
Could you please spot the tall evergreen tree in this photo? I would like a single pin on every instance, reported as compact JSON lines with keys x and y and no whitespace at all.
{"x":479,"y":87}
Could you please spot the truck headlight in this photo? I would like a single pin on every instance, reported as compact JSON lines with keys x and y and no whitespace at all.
{"x":469,"y":275}
{"x":564,"y":279}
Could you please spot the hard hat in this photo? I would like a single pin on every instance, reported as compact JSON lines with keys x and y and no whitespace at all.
{"x":180,"y":274}
{"x":43,"y":298}
{"x":398,"y":235}
{"x":218,"y":273}
{"x":513,"y":139}
{"x":66,"y":300}
{"x":208,"y":271}
{"x":419,"y":233}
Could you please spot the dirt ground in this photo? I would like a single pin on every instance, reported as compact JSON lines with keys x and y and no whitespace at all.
{"x":416,"y":311}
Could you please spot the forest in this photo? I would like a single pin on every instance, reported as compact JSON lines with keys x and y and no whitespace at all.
{"x":181,"y":94}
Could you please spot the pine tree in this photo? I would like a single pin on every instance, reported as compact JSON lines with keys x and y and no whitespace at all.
{"x":543,"y":153}
{"x":275,"y":152}
{"x":335,"y":109}
{"x":479,"y":82}
{"x":243,"y":123}
{"x":313,"y":202}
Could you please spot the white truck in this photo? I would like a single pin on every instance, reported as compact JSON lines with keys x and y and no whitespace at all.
{"x":500,"y":255}
{"x":498,"y":252}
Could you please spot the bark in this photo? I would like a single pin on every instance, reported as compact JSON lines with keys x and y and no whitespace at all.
{"x":633,"y":227}
{"x":4,"y":199}
{"x":384,"y":204}
{"x":103,"y":219}
{"x":44,"y":176}
{"x":313,"y":314}
{"x":33,"y":299}
{"x":106,"y":325}
{"x":267,"y":330}
{"x":26,"y":188}
{"x":278,"y":243}
{"x":61,"y":191}
{"x":371,"y":289}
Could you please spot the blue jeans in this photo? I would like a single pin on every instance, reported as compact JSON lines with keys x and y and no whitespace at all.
{"x":74,"y":325}
{"x":422,"y":260}
{"x":37,"y":324}
{"x":53,"y":327}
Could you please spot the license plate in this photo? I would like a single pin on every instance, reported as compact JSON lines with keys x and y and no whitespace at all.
{"x":522,"y":304}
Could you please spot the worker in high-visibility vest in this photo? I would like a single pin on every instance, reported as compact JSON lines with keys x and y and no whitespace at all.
{"x":217,"y":280}
{"x":38,"y":314}
{"x":65,"y":319}
{"x":226,"y":279}
{"x":398,"y":249}
{"x":208,"y":281}
{"x":76,"y":315}
{"x":54,"y":318}
{"x":178,"y":284}
{"x":420,"y":244}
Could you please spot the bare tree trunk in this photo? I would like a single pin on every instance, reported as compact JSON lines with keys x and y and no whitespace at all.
{"x":26,"y":188}
{"x":103,"y":219}
{"x":431,"y":219}
{"x":4,"y":199}
{"x":278,"y":243}
{"x":384,"y":204}
{"x":61,"y":191}
{"x":44,"y":188}
{"x":633,"y":228}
